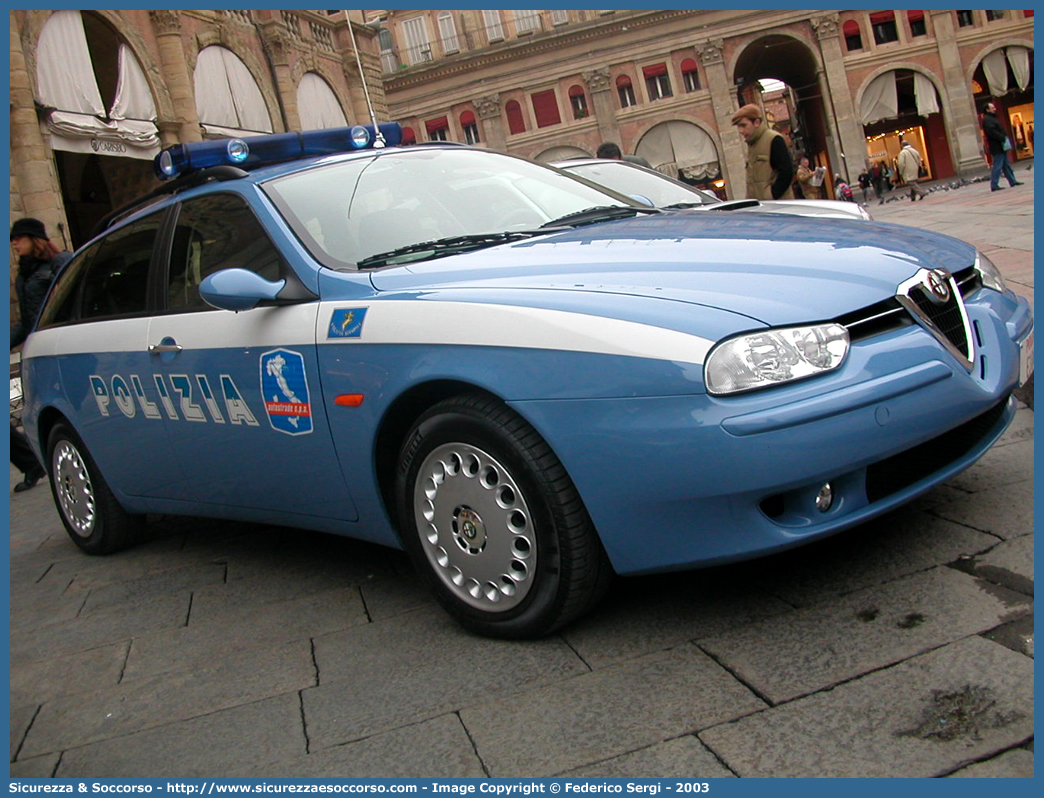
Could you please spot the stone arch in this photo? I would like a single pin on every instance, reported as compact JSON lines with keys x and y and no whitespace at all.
{"x":992,"y":47}
{"x":36,"y":20}
{"x":561,"y":152}
{"x":743,"y":44}
{"x":694,"y":160}
{"x":250,"y":62}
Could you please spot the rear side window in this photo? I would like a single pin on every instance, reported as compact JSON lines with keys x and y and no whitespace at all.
{"x":215,"y":232}
{"x":109,"y":279}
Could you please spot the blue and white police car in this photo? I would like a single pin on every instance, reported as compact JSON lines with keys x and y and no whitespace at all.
{"x":526,"y":381}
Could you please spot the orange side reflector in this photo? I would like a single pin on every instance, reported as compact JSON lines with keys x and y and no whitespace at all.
{"x":349,"y":400}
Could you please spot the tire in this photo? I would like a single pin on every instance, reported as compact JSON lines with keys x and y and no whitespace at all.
{"x":91,"y":514}
{"x":493,"y":523}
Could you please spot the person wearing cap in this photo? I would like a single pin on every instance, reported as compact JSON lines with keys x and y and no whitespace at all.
{"x":910,"y":169}
{"x":39,"y":261}
{"x":770,"y":169}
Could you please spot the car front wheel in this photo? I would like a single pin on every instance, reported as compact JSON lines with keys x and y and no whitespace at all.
{"x":91,"y":514}
{"x":492,"y":521}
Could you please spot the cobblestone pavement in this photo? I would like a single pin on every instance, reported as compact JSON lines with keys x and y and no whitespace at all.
{"x":902,"y":648}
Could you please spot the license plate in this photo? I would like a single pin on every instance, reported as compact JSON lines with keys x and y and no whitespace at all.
{"x":1026,"y":359}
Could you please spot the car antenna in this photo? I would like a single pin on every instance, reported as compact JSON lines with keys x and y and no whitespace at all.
{"x":378,"y":141}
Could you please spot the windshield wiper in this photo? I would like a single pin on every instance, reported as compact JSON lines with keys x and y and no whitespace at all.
{"x":440,"y":247}
{"x":599,"y":213}
{"x":682,"y":206}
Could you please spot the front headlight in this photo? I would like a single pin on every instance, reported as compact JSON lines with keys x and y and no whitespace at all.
{"x":770,"y":357}
{"x":990,"y":274}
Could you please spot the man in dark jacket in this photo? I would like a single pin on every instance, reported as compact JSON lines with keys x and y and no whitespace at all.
{"x":996,"y":137}
{"x":39,"y":261}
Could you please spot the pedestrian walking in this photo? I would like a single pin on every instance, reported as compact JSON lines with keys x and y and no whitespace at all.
{"x":866,"y":184}
{"x":770,"y":169}
{"x":999,"y":145}
{"x":877,"y":176}
{"x":910,"y":170}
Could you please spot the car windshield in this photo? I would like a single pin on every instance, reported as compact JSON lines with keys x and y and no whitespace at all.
{"x":355,"y":210}
{"x":636,"y":180}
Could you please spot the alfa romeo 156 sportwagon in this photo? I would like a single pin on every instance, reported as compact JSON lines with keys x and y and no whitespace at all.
{"x":525,"y":380}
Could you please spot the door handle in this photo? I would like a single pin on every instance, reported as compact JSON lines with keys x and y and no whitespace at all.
{"x":159,"y":349}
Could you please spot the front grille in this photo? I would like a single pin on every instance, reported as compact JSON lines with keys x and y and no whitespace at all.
{"x":945,"y":316}
{"x":907,"y":468}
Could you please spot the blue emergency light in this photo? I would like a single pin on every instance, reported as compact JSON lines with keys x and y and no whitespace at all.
{"x":256,"y":151}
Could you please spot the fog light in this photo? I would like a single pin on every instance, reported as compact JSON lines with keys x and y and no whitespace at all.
{"x":825,"y":498}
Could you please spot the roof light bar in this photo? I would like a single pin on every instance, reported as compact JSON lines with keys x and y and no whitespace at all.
{"x":254,"y":151}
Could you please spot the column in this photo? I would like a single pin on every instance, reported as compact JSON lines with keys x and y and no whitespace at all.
{"x":842,"y":116}
{"x":178,"y":80}
{"x":277,"y":48}
{"x":962,"y":123}
{"x":723,"y":101}
{"x":492,"y":120}
{"x":600,"y":87}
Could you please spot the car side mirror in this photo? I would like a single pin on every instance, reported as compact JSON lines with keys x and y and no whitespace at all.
{"x":238,"y":289}
{"x":641,"y":199}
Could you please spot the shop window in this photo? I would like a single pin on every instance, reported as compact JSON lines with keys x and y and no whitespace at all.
{"x":470,"y":127}
{"x":545,"y":108}
{"x":578,"y":102}
{"x":516,"y":123}
{"x":992,"y":15}
{"x":883,"y":25}
{"x":918,"y":26}
{"x":965,"y":19}
{"x":657,"y":81}
{"x":559,"y":17}
{"x":625,"y":91}
{"x":438,"y":129}
{"x":690,"y":75}
{"x":853,"y":36}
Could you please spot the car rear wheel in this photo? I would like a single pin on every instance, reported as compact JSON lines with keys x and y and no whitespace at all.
{"x":492,"y":521}
{"x":91,"y":514}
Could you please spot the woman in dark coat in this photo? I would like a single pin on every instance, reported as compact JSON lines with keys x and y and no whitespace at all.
{"x":39,"y":261}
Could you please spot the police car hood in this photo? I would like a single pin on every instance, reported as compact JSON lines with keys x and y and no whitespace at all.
{"x":776,"y":269}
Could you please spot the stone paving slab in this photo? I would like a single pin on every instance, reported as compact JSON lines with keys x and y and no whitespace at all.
{"x":881,"y":551}
{"x":79,"y":672}
{"x":79,"y":634}
{"x":222,"y":744}
{"x":428,"y":666}
{"x":437,"y":748}
{"x":1004,"y":512}
{"x":818,"y":647}
{"x":246,"y":630}
{"x":653,"y":613}
{"x":609,"y":712}
{"x":140,"y":704}
{"x":925,"y":717}
{"x":1009,"y":564}
{"x":685,"y":757}
{"x":1016,"y":764}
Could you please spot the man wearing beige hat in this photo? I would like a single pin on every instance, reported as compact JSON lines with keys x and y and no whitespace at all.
{"x":770,"y":169}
